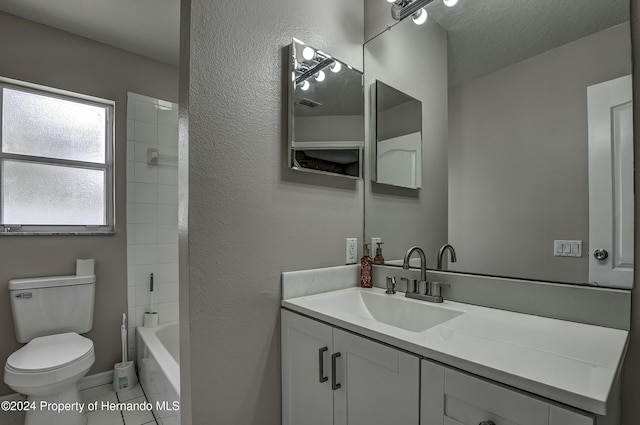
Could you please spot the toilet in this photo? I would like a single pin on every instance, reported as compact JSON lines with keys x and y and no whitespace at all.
{"x":49,"y":314}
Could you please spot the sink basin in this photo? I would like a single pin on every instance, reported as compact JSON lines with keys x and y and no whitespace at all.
{"x":373,"y":304}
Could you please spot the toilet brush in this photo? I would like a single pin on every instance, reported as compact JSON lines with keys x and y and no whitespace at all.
{"x":124,"y":373}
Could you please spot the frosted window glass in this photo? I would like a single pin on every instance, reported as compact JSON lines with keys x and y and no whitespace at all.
{"x":42,"y":194}
{"x":50,"y":127}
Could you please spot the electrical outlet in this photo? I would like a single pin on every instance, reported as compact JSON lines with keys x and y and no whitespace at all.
{"x":374,"y":245}
{"x":352,"y":251}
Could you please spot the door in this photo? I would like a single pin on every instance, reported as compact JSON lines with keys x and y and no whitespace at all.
{"x":399,"y":161}
{"x":378,"y":384}
{"x":306,"y":385}
{"x":611,"y":183}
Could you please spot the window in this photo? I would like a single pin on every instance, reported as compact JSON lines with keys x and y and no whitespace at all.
{"x":56,"y":171}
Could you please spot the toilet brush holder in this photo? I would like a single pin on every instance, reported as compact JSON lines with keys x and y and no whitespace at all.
{"x":124,"y":376}
{"x":150,"y":320}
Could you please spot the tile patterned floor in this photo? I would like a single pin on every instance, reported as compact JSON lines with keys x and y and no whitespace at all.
{"x":102,"y":417}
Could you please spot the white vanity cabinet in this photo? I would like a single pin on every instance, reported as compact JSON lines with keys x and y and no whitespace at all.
{"x":334,"y":377}
{"x":450,"y":397}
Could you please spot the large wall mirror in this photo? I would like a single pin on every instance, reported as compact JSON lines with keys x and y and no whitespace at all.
{"x":527,"y":139}
{"x":326,"y":113}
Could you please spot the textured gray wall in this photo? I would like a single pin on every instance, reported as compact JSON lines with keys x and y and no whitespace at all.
{"x":40,"y":54}
{"x":405,"y":217}
{"x":518,"y":157}
{"x":250,"y":218}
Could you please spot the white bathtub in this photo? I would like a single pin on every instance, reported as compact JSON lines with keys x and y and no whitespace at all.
{"x":158,"y":357}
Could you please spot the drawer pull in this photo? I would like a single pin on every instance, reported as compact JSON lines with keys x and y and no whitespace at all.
{"x":334,"y":384}
{"x":489,"y":422}
{"x":321,"y":376}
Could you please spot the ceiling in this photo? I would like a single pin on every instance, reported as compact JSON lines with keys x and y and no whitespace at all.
{"x":149,"y":28}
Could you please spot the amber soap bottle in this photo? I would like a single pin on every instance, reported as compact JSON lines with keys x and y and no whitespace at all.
{"x":366,"y":277}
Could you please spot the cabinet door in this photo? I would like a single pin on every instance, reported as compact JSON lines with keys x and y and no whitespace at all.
{"x":306,"y":351}
{"x":378,"y":384}
{"x":562,"y":416}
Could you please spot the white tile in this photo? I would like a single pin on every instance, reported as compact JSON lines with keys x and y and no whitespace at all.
{"x":167,"y":194}
{"x":167,"y":253}
{"x":168,"y":175}
{"x":131,"y":337}
{"x":167,"y":273}
{"x":168,"y":117}
{"x":146,"y":234}
{"x":131,"y":296}
{"x":132,"y":353}
{"x":145,"y":132}
{"x":145,"y":193}
{"x":168,"y":214}
{"x":130,"y":255}
{"x":135,"y":392}
{"x":168,"y":292}
{"x":141,"y":151}
{"x":143,"y":296}
{"x":140,"y":310}
{"x":131,"y":316}
{"x":137,"y":417}
{"x":130,"y":192}
{"x":168,"y":135}
{"x":131,"y":233}
{"x":15,"y":417}
{"x":145,"y":173}
{"x":145,"y":254}
{"x":130,"y":149}
{"x":130,"y":128}
{"x":100,"y":393}
{"x":167,"y":233}
{"x":143,"y":273}
{"x":145,"y":213}
{"x":145,"y":112}
{"x":130,"y":171}
{"x":168,"y":312}
{"x":129,"y":213}
{"x":131,"y":271}
{"x":104,"y":417}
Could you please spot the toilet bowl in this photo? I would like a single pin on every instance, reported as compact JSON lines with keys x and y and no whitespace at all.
{"x":47,"y":370}
{"x":49,"y":314}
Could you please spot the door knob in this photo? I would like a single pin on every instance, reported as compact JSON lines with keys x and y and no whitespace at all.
{"x":600,"y":254}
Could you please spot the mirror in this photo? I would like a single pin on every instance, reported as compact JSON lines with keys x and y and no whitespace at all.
{"x":326,"y":114}
{"x":508,"y":139}
{"x":398,"y":137}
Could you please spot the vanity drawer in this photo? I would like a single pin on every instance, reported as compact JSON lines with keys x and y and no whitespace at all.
{"x":470,"y":401}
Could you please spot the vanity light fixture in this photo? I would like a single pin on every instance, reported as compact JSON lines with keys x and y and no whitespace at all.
{"x":312,"y":66}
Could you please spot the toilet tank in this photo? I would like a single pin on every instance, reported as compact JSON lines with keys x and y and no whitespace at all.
{"x":52,"y":305}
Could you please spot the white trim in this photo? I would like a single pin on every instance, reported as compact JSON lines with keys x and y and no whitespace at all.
{"x":95,"y":380}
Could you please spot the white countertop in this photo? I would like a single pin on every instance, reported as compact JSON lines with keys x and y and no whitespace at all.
{"x":572,"y":363}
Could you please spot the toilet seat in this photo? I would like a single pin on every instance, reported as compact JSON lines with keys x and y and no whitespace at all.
{"x":49,"y":359}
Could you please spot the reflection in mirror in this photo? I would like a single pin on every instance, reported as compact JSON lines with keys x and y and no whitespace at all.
{"x":519,"y":129}
{"x":398,"y":137}
{"x":326,"y":114}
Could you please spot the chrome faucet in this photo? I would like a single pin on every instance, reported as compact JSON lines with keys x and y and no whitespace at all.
{"x":431,"y":291}
{"x":444,"y":248}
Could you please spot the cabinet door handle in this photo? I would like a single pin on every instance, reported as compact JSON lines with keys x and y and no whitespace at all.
{"x":489,"y":422}
{"x":334,"y":384}
{"x":321,"y":376}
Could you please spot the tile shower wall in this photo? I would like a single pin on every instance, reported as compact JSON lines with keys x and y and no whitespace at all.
{"x":152,"y":210}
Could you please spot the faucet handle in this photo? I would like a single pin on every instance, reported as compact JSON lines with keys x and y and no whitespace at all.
{"x":435,"y":287}
{"x":391,"y":285}
{"x":412,"y":285}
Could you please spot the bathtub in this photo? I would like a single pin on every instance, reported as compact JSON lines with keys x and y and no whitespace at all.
{"x":158,"y":358}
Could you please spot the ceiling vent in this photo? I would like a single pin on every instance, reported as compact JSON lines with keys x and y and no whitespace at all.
{"x":309,"y":103}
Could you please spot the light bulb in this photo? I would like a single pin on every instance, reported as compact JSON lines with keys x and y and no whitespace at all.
{"x":320,"y":76}
{"x":336,"y":67}
{"x":391,"y":1}
{"x":308,"y":53}
{"x":450,"y":3}
{"x":293,"y":76}
{"x":420,"y":17}
{"x":305,"y":85}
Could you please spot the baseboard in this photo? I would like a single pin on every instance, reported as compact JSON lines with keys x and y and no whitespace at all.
{"x":95,"y":380}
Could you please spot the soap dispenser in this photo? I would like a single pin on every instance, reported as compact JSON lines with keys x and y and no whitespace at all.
{"x":366,"y":278}
{"x":378,"y":259}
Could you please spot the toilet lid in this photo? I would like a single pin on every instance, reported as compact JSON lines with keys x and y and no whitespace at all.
{"x":50,"y":352}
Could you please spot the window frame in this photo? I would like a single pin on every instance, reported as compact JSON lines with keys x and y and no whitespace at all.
{"x":107,"y":166}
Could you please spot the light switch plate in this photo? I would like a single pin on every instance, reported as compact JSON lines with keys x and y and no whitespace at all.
{"x":351,"y":251}
{"x":567,"y":248}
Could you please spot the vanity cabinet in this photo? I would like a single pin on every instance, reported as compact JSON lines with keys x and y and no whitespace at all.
{"x":451,"y":397}
{"x":330,"y":376}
